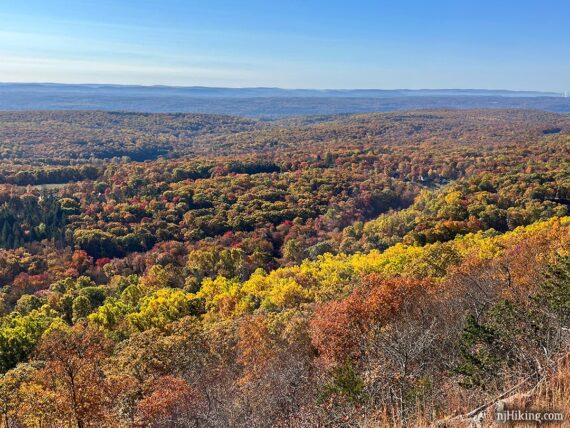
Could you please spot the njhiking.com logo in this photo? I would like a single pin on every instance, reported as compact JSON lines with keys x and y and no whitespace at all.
{"x":506,"y":416}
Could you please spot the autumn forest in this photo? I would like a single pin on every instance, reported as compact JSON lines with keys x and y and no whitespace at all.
{"x":406,"y":269}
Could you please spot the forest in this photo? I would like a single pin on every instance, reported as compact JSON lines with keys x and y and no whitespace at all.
{"x":406,"y":269}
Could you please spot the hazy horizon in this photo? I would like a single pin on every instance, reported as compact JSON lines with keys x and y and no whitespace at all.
{"x":282,"y":88}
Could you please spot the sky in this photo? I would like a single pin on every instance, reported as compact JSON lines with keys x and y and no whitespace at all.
{"x":500,"y":44}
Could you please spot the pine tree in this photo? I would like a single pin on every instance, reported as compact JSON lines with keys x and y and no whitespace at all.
{"x":555,"y":289}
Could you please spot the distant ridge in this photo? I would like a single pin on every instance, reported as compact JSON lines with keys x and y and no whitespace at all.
{"x":252,"y":92}
{"x":263,"y":102}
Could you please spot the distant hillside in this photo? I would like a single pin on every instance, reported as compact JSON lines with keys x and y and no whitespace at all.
{"x":68,"y":137}
{"x":263,"y":102}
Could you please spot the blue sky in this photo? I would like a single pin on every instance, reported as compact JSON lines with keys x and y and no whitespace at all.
{"x":497,"y":44}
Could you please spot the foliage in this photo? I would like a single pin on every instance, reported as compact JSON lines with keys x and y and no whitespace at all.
{"x":199,"y":270}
